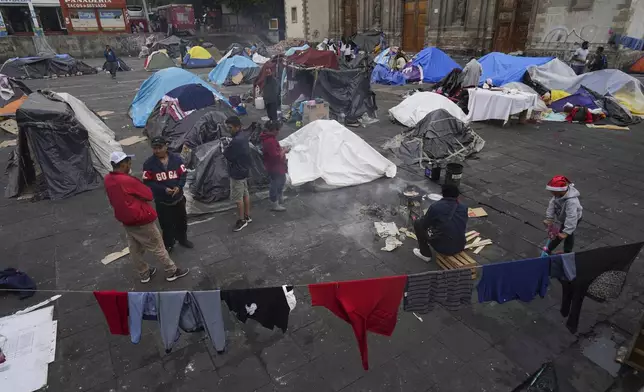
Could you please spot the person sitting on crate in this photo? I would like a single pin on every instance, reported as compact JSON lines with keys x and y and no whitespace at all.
{"x":442,"y":228}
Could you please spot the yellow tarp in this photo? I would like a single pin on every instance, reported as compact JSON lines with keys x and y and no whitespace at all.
{"x":197,"y":52}
{"x":556,"y":95}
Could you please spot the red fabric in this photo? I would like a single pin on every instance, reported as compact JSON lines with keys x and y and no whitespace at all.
{"x":368,"y":305}
{"x":274,"y":160}
{"x":129,"y":198}
{"x":316,"y":58}
{"x":114,"y":307}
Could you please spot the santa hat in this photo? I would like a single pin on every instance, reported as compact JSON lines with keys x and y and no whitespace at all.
{"x":558,"y":184}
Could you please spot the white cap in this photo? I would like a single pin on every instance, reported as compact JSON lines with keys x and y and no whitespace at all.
{"x":118,"y":156}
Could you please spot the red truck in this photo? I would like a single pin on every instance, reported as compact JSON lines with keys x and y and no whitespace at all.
{"x":180,"y":16}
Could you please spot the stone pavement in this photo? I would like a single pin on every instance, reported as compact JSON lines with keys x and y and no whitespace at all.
{"x":327,"y":236}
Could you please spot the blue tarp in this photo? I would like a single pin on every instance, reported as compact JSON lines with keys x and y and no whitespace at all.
{"x":192,"y":96}
{"x":219,"y":74}
{"x":158,"y":85}
{"x":291,"y":51}
{"x":383,"y":57}
{"x":189,"y":62}
{"x":383,"y":75}
{"x":435,"y":63}
{"x":503,"y":68}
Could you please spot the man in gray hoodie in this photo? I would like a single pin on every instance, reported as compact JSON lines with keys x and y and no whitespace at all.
{"x":563,"y":213}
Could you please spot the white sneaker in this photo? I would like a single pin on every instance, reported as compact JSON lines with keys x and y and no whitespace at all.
{"x":420,"y":256}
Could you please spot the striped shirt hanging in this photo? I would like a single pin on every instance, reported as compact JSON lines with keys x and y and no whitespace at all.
{"x":451,"y":289}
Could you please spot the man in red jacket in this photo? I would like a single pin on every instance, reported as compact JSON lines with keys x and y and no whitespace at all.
{"x":130,"y":199}
{"x":275,"y":163}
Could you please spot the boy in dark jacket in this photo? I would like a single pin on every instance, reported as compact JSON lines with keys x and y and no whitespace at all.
{"x":443,"y":226}
{"x":237,"y":154}
{"x":275,"y":163}
{"x":112,"y":61}
{"x":165,"y":174}
{"x":271,"y":94}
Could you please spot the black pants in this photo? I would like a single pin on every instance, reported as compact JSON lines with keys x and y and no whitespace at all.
{"x":173,"y":221}
{"x":271,"y":111}
{"x":569,"y":243}
{"x":423,"y":238}
{"x":112,"y":66}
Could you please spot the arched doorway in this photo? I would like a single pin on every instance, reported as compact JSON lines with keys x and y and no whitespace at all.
{"x":414,"y":25}
{"x":350,"y":22}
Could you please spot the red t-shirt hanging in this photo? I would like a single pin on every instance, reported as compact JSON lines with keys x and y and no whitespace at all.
{"x":115,"y":308}
{"x":368,"y":305}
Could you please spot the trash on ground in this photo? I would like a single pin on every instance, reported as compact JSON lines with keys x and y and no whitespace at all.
{"x":408,"y":233}
{"x":391,"y":243}
{"x":105,"y":113}
{"x":608,"y":126}
{"x":386,"y":229}
{"x":476,"y":212}
{"x":132,"y":140}
{"x":434,"y":196}
{"x":115,"y":256}
{"x":8,"y":143}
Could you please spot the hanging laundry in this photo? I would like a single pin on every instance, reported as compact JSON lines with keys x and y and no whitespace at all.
{"x":589,"y":265}
{"x":115,"y":308}
{"x":451,"y":289}
{"x":368,"y":305}
{"x":522,"y":279}
{"x":268,"y":306}
{"x":563,"y":266}
{"x":191,"y":313}
{"x":142,"y":306}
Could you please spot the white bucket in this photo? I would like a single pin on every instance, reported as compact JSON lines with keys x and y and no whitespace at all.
{"x":259,"y":103}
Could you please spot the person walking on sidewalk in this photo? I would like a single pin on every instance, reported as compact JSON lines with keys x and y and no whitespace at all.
{"x":275,"y":164}
{"x":563,"y":214}
{"x":165,"y":173}
{"x":130,"y":199}
{"x":237,"y":154}
{"x":112,"y":60}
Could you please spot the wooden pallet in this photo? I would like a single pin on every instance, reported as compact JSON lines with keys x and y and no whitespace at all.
{"x":457,"y":261}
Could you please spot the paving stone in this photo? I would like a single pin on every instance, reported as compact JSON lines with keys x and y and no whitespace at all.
{"x":523,"y":350}
{"x":340,"y":368}
{"x":462,"y":341}
{"x":246,"y":376}
{"x":578,"y":371}
{"x":149,"y":378}
{"x":189,"y":363}
{"x":282,"y":357}
{"x":80,"y":373}
{"x":435,"y":361}
{"x":399,"y":374}
{"x":127,"y":356}
{"x":501,"y":371}
{"x":80,"y":320}
{"x":321,"y":337}
{"x":304,"y":378}
{"x":82,"y":344}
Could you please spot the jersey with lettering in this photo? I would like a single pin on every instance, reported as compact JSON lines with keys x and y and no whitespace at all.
{"x":160,"y":177}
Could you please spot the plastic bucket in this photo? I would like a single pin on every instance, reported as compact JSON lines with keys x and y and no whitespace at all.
{"x":453,"y":174}
{"x":259,"y":103}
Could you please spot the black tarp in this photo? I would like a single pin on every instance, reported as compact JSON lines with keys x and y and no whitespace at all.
{"x":237,"y":50}
{"x":439,"y":135}
{"x":346,"y":91}
{"x":367,"y":41}
{"x":19,"y":90}
{"x":47,"y":66}
{"x":172,"y":44}
{"x":53,"y":151}
{"x":121,"y":65}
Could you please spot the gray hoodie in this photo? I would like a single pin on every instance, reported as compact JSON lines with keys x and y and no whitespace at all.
{"x":566,"y":210}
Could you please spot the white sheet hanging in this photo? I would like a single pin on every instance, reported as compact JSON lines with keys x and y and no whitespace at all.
{"x":414,"y":108}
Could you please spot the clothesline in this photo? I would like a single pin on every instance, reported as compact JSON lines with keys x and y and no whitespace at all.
{"x":304,"y":285}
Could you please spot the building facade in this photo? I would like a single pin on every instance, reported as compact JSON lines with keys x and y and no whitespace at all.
{"x":307,"y":19}
{"x":24,"y":17}
{"x":93,"y":16}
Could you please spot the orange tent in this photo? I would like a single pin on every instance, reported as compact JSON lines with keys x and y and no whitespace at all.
{"x":13,"y":94}
{"x":9,"y":110}
{"x":637,"y":67}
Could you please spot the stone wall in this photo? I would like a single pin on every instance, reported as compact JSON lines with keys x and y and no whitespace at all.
{"x":295,"y":30}
{"x":317,"y":19}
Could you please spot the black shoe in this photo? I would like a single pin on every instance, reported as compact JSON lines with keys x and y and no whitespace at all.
{"x":248,"y":219}
{"x":179,"y":273}
{"x":187,"y":244}
{"x":240,"y":225}
{"x":149,"y":275}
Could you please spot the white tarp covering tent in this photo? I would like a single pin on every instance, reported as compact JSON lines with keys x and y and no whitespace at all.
{"x":101,"y":138}
{"x":326,"y":150}
{"x":556,"y":75}
{"x":259,"y":59}
{"x":414,"y":108}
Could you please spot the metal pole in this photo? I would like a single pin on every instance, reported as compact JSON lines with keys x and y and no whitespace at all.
{"x":147,"y":17}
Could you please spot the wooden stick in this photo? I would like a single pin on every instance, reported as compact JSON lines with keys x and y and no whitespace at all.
{"x":471,"y":237}
{"x":479,"y":249}
{"x":481,"y":243}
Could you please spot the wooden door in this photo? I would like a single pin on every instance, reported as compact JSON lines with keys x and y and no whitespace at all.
{"x":512,"y":22}
{"x":414,"y":25}
{"x":350,"y":18}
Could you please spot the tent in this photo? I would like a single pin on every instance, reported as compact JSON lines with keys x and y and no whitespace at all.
{"x":158,"y":85}
{"x":13,"y":93}
{"x":315,"y":58}
{"x":172,"y":45}
{"x":215,"y":53}
{"x":291,"y":51}
{"x":368,"y":40}
{"x":435,"y":63}
{"x":44,"y":66}
{"x":325,"y":150}
{"x":158,"y":60}
{"x":415,"y":107}
{"x":581,"y":98}
{"x":231,"y":67}
{"x":381,"y":74}
{"x":276,"y":65}
{"x":504,"y":68}
{"x":120,"y":65}
{"x":198,"y":57}
{"x":637,"y":67}
{"x":53,"y":155}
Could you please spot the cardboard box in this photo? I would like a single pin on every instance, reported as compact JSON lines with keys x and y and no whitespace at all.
{"x":319,"y":111}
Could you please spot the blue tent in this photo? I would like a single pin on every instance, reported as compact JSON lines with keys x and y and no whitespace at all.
{"x":291,"y":51}
{"x":192,"y":96}
{"x":503,"y":68}
{"x":383,"y":57}
{"x":435,"y":63}
{"x":581,"y":98}
{"x":383,"y":75}
{"x":158,"y":85}
{"x":222,"y":71}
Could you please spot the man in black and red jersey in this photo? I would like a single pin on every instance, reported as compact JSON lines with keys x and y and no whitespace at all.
{"x":165,"y":173}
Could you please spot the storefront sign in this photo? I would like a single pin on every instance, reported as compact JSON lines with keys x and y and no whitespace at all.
{"x":83,"y":20}
{"x":94,"y":3}
{"x":111,"y":19}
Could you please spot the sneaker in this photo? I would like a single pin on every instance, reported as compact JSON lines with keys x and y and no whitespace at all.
{"x":248,"y":219}
{"x":277,"y":207}
{"x":149,"y":275}
{"x":240,"y":225}
{"x":187,"y":244}
{"x":421,"y":256}
{"x":179,"y":273}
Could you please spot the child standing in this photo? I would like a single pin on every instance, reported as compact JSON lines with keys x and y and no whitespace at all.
{"x":563,"y":213}
{"x":275,"y":163}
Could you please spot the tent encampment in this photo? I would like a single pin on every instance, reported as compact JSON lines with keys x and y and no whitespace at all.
{"x":172,"y":45}
{"x":326,"y":150}
{"x":158,"y":60}
{"x":158,"y":85}
{"x":291,"y":51}
{"x":414,"y":108}
{"x":581,"y":98}
{"x":637,"y":67}
{"x":381,"y":74}
{"x":198,"y":57}
{"x":120,"y":65}
{"x":504,"y":68}
{"x":53,"y":156}
{"x":368,"y":40}
{"x":315,"y":58}
{"x":435,"y":63}
{"x":228,"y":71}
{"x":13,"y":93}
{"x":39,"y":67}
{"x":215,"y":53}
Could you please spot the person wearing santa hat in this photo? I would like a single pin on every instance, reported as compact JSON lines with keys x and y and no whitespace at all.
{"x":563,"y":213}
